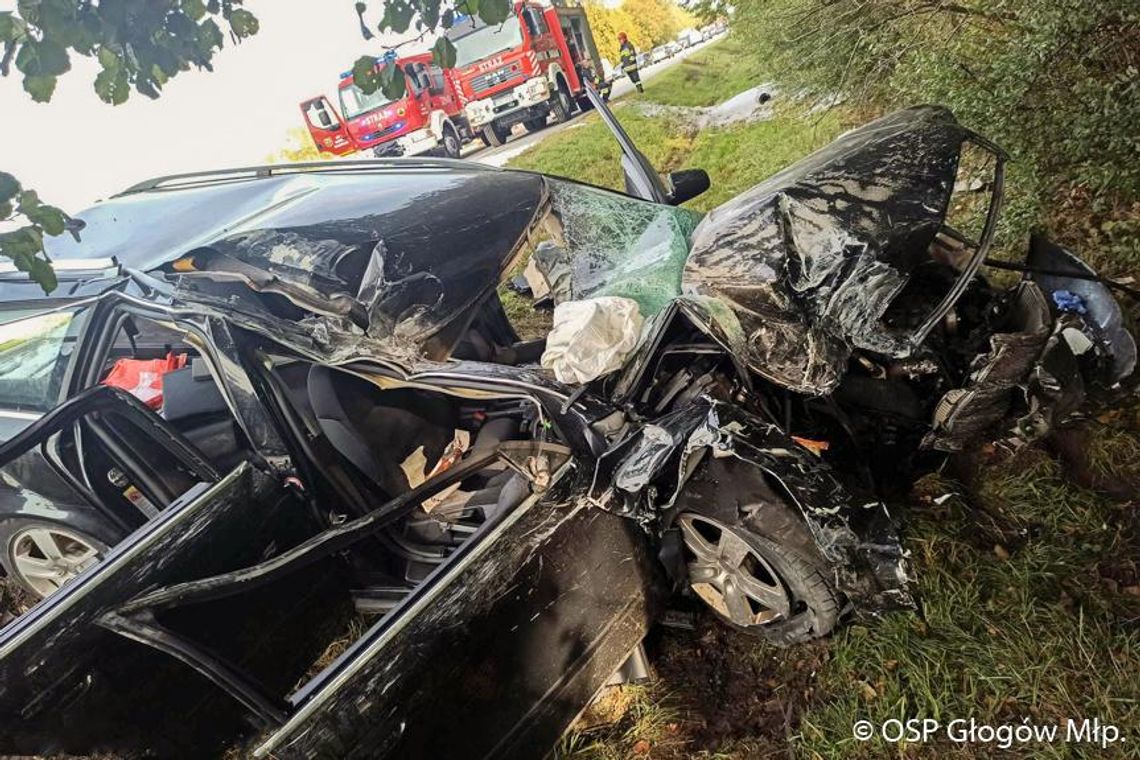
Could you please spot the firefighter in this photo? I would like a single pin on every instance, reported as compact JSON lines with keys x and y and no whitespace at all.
{"x":629,"y":60}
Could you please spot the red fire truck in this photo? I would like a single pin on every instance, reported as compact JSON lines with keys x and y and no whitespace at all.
{"x":531,"y":66}
{"x":428,"y":118}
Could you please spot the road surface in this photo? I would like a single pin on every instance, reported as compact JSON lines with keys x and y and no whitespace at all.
{"x":521,"y":139}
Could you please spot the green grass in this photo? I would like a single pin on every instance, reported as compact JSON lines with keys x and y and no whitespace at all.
{"x":1028,"y":582}
{"x":735,"y":157}
{"x":587,"y":152}
{"x":705,"y":78}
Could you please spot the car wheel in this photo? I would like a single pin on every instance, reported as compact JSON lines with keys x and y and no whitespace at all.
{"x":42,"y":556}
{"x":451,"y":144}
{"x":755,"y":584}
{"x":495,"y":135}
{"x":534,"y":125}
{"x":561,"y":107}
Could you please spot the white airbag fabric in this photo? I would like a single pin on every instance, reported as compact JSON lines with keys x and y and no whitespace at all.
{"x":592,"y":337}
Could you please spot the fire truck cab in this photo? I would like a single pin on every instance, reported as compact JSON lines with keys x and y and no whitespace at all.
{"x":429,"y":117}
{"x":533,"y":65}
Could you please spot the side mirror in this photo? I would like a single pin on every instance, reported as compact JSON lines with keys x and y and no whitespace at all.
{"x":687,"y":184}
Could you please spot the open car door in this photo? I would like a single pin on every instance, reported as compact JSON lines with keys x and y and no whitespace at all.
{"x":641,"y":179}
{"x":76,"y":673}
{"x":205,"y":627}
{"x":326,"y":127}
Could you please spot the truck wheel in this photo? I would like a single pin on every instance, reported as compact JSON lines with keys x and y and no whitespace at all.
{"x":451,"y":145}
{"x":494,"y":135}
{"x":561,"y":106}
{"x":535,"y":124}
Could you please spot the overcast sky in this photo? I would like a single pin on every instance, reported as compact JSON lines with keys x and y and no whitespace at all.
{"x":77,"y":149}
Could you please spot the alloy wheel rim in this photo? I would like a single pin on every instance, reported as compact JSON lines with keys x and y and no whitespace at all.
{"x":47,"y":558}
{"x":730,"y":575}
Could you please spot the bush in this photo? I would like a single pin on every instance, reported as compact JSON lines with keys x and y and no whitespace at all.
{"x":1055,"y":82}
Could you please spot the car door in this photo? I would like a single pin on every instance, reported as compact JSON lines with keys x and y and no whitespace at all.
{"x":326,"y":127}
{"x":79,"y":674}
{"x":496,"y":653}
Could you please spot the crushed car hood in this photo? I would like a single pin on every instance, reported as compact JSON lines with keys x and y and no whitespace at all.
{"x":809,"y":259}
{"x":394,"y":246}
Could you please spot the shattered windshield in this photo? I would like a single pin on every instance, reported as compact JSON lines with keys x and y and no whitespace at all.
{"x":614,"y":245}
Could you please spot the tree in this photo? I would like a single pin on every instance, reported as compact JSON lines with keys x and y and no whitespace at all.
{"x":606,"y":23}
{"x":656,"y":19}
{"x":298,"y":147}
{"x":139,"y":44}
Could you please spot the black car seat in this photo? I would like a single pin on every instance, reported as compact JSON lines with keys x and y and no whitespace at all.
{"x":376,"y":429}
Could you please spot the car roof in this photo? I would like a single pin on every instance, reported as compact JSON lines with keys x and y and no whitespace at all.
{"x":441,"y":231}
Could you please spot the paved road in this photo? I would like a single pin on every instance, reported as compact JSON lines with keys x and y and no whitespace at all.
{"x":521,"y":139}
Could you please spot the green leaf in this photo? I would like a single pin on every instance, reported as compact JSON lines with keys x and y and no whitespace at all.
{"x":9,"y":187}
{"x":397,"y":16}
{"x":41,"y":272}
{"x":365,"y":75}
{"x":42,"y":58}
{"x":494,"y":11}
{"x":443,"y":53}
{"x":243,"y":23}
{"x":429,"y":12}
{"x":5,"y":210}
{"x":210,"y":37}
{"x":195,"y":9}
{"x":23,"y":242}
{"x":108,"y":58}
{"x":49,"y":219}
{"x":392,"y":82}
{"x":39,"y":87}
{"x":112,"y":86}
{"x":448,"y":18}
{"x":12,"y":28}
{"x":27,"y":201}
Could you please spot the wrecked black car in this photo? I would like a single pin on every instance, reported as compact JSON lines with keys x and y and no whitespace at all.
{"x":284,"y":477}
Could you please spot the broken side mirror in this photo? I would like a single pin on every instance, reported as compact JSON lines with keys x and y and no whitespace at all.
{"x":687,"y":184}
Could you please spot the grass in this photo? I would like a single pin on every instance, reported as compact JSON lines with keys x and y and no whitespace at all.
{"x":1027,"y":573}
{"x":705,"y":78}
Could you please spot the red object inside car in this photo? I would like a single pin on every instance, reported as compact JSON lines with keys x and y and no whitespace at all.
{"x":142,"y":378}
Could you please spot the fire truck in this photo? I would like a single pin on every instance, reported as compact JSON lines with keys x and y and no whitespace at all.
{"x":532,"y":66}
{"x":428,"y":118}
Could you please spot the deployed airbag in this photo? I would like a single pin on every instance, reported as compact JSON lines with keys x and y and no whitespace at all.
{"x":592,"y":338}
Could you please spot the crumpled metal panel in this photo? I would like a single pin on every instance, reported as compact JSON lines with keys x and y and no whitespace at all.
{"x":809,"y":259}
{"x":646,"y":474}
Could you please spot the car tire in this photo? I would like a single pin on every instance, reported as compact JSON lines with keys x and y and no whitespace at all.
{"x":536,"y":124}
{"x":495,"y":135}
{"x":561,"y":106}
{"x":452,"y":147}
{"x":733,"y":498}
{"x":813,"y":606}
{"x":23,"y":540}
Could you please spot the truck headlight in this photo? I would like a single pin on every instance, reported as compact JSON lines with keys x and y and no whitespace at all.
{"x":536,"y":88}
{"x":479,"y":110}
